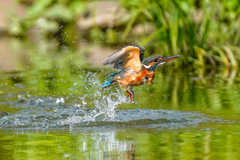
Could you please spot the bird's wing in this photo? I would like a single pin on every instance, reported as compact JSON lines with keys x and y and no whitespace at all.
{"x":127,"y":57}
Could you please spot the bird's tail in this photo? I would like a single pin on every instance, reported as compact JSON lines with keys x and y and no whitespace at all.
{"x":106,"y":84}
{"x":109,"y":81}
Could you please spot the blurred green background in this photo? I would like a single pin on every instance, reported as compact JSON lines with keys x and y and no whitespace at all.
{"x":206,"y":33}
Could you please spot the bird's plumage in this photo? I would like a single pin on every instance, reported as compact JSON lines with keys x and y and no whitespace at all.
{"x":133,"y":69}
{"x":130,"y":56}
{"x":150,"y":59}
{"x":109,"y":81}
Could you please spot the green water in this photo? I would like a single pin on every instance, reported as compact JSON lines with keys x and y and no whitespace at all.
{"x":178,"y":117}
{"x":221,"y":142}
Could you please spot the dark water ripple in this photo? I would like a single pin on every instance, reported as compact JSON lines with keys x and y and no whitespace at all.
{"x":54,"y":113}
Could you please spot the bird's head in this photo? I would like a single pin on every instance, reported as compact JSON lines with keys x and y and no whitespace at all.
{"x":154,"y":61}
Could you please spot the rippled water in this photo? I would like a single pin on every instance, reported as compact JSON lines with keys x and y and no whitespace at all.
{"x":54,"y":113}
{"x":201,"y":143}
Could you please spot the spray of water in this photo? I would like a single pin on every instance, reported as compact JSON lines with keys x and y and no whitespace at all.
{"x":104,"y":101}
{"x":96,"y":105}
{"x":96,"y":108}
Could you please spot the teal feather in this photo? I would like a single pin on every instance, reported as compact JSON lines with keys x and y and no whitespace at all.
{"x":109,"y":81}
{"x":153,"y":67}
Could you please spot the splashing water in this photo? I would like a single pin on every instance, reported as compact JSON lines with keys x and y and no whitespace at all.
{"x":96,"y":108}
{"x":104,"y":110}
{"x":104,"y":104}
{"x":50,"y":112}
{"x":56,"y":113}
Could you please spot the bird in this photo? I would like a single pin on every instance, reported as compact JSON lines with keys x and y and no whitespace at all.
{"x":133,"y":69}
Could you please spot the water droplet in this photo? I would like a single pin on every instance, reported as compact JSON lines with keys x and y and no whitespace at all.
{"x":60,"y":100}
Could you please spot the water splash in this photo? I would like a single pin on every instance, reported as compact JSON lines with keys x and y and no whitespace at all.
{"x":49,"y":112}
{"x":59,"y":113}
{"x":97,"y":108}
{"x":104,"y":103}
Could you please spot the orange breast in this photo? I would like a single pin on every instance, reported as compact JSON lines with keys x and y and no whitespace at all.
{"x":138,"y":78}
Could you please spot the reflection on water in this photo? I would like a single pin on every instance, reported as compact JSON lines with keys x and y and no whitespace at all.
{"x":79,"y":145}
{"x":125,"y":144}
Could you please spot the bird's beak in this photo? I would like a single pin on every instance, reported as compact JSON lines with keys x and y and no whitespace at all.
{"x":165,"y":59}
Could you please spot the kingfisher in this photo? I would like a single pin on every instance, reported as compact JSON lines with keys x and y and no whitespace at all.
{"x":133,"y":69}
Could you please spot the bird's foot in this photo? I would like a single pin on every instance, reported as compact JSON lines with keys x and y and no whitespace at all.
{"x":129,"y":95}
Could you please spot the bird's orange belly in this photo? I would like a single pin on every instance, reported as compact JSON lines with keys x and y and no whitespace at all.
{"x":135,"y":80}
